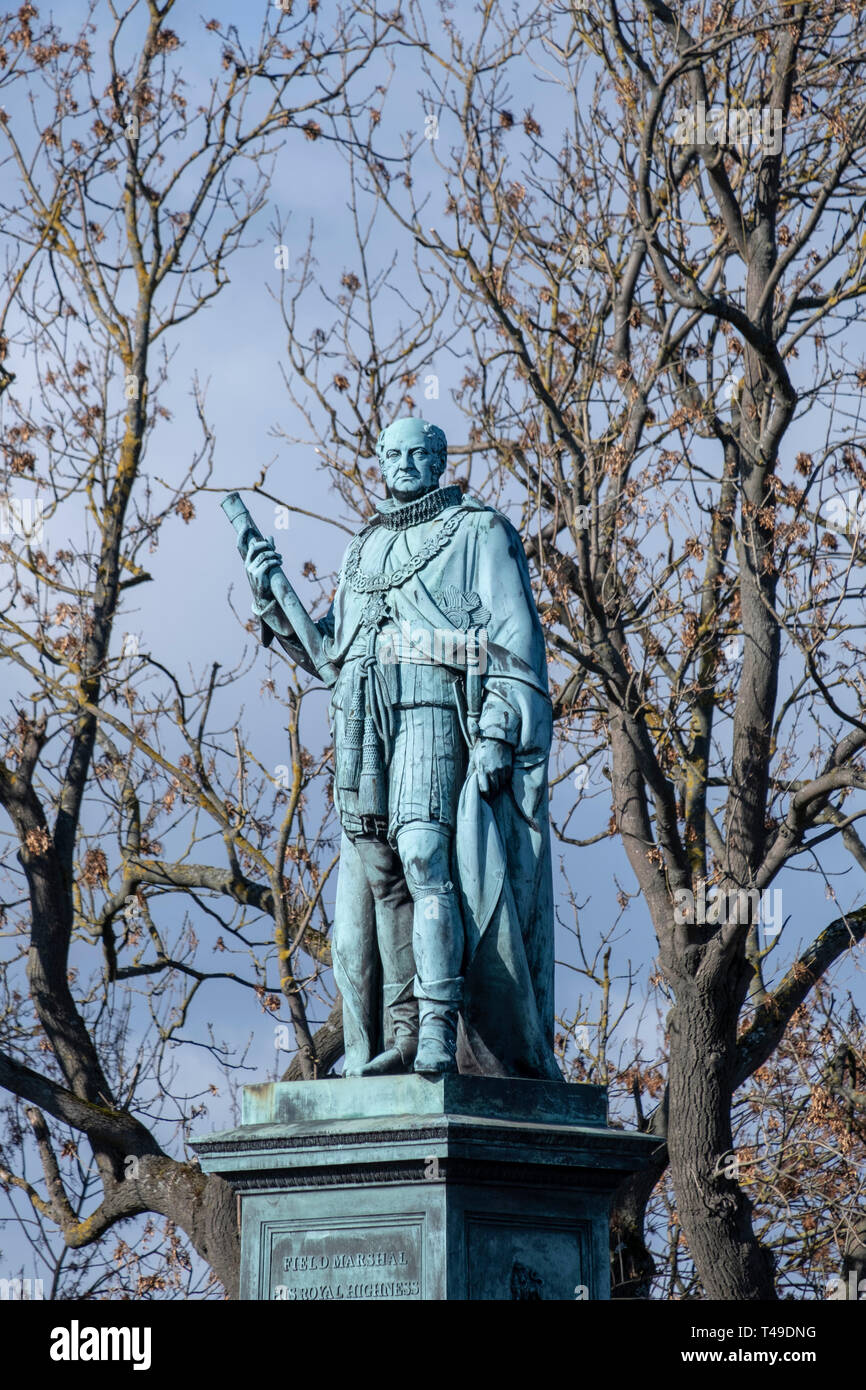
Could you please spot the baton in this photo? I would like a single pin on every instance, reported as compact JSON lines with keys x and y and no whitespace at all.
{"x":302,"y":624}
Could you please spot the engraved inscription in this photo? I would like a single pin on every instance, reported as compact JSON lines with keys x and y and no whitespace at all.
{"x":321,"y":1265}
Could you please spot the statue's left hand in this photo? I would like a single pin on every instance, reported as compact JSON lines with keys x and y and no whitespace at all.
{"x":494,"y":761}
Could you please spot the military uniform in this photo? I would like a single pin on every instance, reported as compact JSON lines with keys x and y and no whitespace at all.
{"x":403,"y":722}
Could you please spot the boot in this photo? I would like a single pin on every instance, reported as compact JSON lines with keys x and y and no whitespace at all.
{"x":438,"y":1009}
{"x":402,"y":1007}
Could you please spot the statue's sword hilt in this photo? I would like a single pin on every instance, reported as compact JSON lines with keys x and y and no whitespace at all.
{"x":304,"y":628}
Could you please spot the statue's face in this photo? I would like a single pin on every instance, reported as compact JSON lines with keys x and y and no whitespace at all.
{"x":409,"y":462}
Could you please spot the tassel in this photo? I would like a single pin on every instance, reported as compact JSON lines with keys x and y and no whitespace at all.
{"x":372,"y":793}
{"x":349,"y":758}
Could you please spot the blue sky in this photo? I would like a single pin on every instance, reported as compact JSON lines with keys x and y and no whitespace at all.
{"x":236,"y":348}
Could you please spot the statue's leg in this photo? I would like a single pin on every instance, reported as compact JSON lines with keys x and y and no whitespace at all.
{"x":355,"y":961}
{"x":394,"y":918}
{"x":438,"y":940}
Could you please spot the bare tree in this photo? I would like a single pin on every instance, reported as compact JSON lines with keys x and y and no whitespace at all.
{"x":798,"y":1153}
{"x":125,"y":197}
{"x":637,"y":283}
{"x":631,"y":299}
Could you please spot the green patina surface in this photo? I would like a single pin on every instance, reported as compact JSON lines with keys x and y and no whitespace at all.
{"x":411,"y":1188}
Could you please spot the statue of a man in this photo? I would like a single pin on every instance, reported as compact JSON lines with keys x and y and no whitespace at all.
{"x":441,"y":722}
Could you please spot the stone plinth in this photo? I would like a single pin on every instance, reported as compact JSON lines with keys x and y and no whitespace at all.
{"x":409,"y":1188}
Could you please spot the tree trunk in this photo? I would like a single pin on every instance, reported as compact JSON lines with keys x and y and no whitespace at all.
{"x":714,"y":1212}
{"x":632,"y":1266}
{"x":203,"y":1206}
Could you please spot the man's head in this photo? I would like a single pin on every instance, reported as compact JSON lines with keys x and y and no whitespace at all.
{"x":412,"y":456}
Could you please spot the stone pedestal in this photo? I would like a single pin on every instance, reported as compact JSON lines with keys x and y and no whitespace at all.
{"x":408,"y":1187}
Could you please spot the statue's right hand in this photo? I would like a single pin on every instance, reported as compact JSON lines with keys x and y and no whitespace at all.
{"x":261,"y":560}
